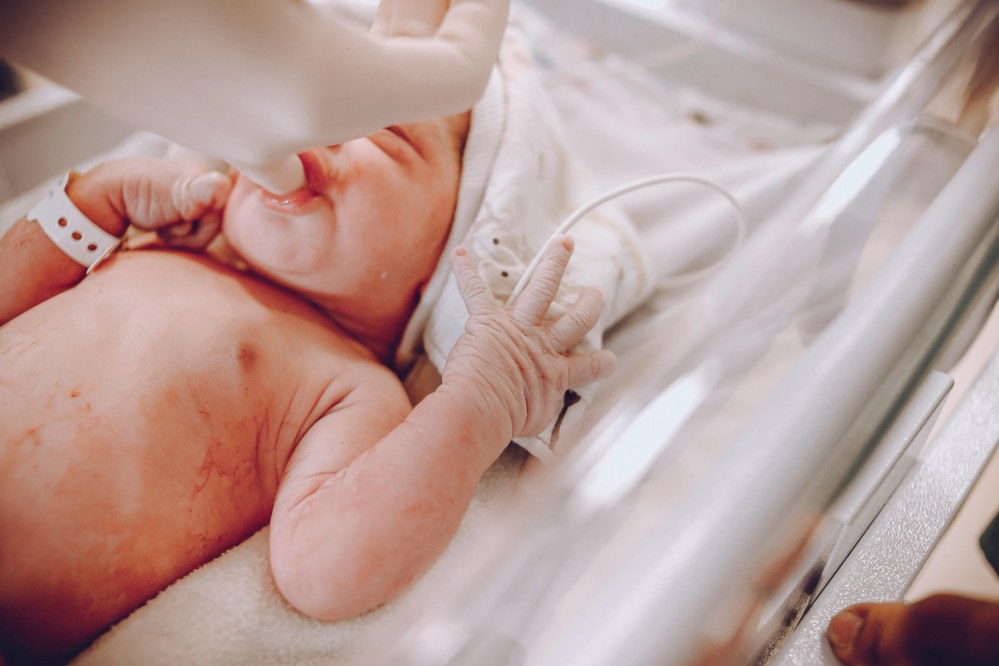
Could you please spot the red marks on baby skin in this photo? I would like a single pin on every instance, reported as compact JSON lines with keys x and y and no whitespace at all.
{"x":31,"y":436}
{"x":208,"y":465}
{"x":214,"y":464}
{"x":85,"y":407}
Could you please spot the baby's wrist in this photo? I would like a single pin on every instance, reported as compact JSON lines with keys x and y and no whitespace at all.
{"x":484,"y":407}
{"x":94,"y":194}
{"x":70,"y":228}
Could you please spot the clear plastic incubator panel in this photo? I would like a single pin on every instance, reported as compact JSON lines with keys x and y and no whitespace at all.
{"x":719,"y":480}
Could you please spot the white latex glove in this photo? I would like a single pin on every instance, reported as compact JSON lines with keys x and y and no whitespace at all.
{"x":254,"y":83}
{"x":411,"y":18}
{"x":513,"y":359}
{"x":181,"y":201}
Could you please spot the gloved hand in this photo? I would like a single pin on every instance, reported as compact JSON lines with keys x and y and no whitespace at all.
{"x":409,"y":18}
{"x":942,"y":629}
{"x":181,"y":201}
{"x":513,"y":360}
{"x":254,"y":83}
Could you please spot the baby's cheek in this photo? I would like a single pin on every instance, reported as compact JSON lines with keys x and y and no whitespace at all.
{"x":291,"y":254}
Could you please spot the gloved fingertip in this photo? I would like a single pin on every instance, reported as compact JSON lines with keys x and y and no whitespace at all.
{"x":843,"y":631}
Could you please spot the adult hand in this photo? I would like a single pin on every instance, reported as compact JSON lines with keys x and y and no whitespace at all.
{"x":179,"y":200}
{"x":943,"y":629}
{"x":261,"y":81}
{"x":444,"y":66}
{"x":513,"y":359}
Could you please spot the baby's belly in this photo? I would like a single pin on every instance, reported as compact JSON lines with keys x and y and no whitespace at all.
{"x":146,"y":419}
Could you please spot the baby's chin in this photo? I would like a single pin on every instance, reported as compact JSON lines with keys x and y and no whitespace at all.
{"x":276,"y":246}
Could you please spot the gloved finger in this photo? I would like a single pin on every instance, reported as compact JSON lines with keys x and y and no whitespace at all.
{"x":383,"y":18}
{"x":474,"y":27}
{"x":943,"y":628}
{"x":532,"y":304}
{"x":457,"y":59}
{"x":473,"y":290}
{"x":591,"y":366}
{"x":581,"y":316}
{"x":417,"y":18}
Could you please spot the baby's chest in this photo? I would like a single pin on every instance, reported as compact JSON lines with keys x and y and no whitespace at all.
{"x":153,"y":360}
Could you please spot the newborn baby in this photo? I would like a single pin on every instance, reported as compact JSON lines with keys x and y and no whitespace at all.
{"x":167,"y":406}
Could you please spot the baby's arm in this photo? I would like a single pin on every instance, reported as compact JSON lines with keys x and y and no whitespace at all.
{"x":349,"y":533}
{"x":152,"y":194}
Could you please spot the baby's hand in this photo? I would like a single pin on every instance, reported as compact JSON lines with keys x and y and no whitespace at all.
{"x":513,"y":360}
{"x":179,"y":200}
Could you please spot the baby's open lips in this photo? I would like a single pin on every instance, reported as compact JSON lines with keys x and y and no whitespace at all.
{"x":315,"y":185}
{"x":290,"y":200}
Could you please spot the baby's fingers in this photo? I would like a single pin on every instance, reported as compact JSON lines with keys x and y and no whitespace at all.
{"x":473,"y":290}
{"x":193,"y":196}
{"x":590,"y":366}
{"x":533,"y":303}
{"x":194,"y":235}
{"x":578,"y":319}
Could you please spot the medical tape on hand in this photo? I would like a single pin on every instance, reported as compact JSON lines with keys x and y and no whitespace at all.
{"x":73,"y":232}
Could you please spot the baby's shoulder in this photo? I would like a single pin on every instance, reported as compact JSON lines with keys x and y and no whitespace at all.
{"x":366,"y":400}
{"x":371,"y":385}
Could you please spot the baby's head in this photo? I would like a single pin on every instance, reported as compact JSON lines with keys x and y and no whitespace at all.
{"x":497,"y":180}
{"x":366,"y":233}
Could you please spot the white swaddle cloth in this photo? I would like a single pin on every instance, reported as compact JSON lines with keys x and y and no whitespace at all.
{"x":517,"y":185}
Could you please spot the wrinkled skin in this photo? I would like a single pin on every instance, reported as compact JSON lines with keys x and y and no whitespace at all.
{"x":527,"y":371}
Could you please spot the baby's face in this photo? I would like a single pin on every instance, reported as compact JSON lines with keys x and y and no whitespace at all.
{"x":371,"y":221}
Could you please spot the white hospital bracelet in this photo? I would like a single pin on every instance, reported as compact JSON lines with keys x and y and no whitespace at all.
{"x":72,"y":231}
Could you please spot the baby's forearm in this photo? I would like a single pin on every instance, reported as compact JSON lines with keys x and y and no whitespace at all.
{"x":344,"y":541}
{"x":367,"y":532}
{"x":32,"y":268}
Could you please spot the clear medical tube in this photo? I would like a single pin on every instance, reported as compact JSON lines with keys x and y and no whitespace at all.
{"x":585,"y":209}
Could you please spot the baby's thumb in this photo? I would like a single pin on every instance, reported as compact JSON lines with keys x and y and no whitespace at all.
{"x":193,"y":196}
{"x":211,"y":189}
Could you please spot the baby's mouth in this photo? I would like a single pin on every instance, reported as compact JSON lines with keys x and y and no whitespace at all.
{"x":315,"y":170}
{"x":297,"y":199}
{"x":298,"y":202}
